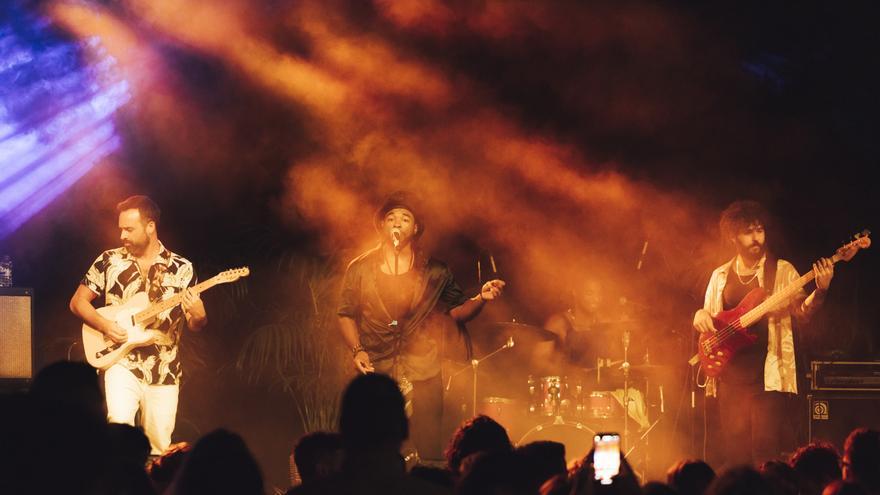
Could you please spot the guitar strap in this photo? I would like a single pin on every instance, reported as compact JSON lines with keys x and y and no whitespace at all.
{"x":770,"y":272}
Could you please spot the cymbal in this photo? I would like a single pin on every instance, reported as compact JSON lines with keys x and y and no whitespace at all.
{"x":647,"y":368}
{"x":633,"y":368}
{"x":526,"y":332}
{"x":607,"y":325}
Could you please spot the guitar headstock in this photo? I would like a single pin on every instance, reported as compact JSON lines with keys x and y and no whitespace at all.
{"x":862,"y":240}
{"x":233,"y":274}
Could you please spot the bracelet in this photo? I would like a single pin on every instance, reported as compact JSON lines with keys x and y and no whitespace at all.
{"x":356,"y":349}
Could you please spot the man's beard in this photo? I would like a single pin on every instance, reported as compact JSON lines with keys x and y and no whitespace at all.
{"x":750,"y":252}
{"x":135,"y":248}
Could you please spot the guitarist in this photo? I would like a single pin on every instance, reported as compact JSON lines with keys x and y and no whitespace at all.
{"x":760,"y":380}
{"x":148,"y":378}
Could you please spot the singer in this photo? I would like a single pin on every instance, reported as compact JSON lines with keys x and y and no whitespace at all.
{"x":396,"y":304}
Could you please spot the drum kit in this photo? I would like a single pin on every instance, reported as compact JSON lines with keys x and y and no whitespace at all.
{"x":572,"y":405}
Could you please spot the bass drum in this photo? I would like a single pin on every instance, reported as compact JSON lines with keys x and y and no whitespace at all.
{"x":577,"y":437}
{"x":509,"y":413}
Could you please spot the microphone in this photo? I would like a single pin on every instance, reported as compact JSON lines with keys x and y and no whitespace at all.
{"x":395,"y":237}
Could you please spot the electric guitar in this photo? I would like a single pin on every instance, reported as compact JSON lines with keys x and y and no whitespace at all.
{"x":133,"y":316}
{"x":732,"y":326}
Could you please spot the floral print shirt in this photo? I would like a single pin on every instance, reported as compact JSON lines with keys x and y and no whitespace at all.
{"x":115,"y":276}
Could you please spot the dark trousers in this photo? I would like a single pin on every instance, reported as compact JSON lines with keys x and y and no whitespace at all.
{"x":756,"y":425}
{"x":424,"y":425}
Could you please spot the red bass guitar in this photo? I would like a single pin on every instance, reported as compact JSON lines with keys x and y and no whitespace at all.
{"x":732,"y":327}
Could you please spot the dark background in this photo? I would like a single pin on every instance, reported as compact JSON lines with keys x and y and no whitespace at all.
{"x":689,"y":104}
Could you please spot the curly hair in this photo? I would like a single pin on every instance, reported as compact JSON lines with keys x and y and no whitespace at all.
{"x":739,"y":215}
{"x":478,"y":434}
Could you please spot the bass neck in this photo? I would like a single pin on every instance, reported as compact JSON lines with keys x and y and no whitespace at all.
{"x":781,"y":297}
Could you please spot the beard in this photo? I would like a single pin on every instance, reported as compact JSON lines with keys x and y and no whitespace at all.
{"x":753,"y":251}
{"x":136,"y":248}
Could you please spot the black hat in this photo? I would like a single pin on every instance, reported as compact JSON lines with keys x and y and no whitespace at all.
{"x":400,"y":199}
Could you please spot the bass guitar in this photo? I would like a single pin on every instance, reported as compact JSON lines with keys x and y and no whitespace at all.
{"x":133,"y":316}
{"x":732,"y":326}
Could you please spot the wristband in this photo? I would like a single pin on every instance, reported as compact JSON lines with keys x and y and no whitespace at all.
{"x":356,"y":349}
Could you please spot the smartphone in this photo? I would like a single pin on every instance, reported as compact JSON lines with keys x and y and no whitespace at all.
{"x":606,"y":456}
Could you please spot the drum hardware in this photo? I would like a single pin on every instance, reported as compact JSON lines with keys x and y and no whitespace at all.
{"x":642,"y":438}
{"x":553,"y":395}
{"x":525,"y":333}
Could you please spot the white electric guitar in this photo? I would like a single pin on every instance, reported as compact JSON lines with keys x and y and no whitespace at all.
{"x":133,"y":316}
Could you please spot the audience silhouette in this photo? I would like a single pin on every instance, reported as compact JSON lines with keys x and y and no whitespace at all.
{"x":56,"y":439}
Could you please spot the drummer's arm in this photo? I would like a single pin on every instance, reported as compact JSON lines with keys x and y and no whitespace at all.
{"x":558,"y":325}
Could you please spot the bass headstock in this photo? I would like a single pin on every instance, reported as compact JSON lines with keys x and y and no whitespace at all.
{"x":862,"y":240}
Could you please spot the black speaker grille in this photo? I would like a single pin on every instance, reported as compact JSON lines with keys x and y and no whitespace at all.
{"x":834,"y":416}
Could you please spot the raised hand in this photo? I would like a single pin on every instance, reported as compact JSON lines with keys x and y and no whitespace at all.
{"x":492,"y":289}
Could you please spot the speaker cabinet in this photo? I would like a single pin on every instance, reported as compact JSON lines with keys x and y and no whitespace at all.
{"x":834,"y":415}
{"x":16,"y":335}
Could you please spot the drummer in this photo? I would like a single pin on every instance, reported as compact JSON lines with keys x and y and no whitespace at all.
{"x":591,"y":342}
{"x":577,"y":326}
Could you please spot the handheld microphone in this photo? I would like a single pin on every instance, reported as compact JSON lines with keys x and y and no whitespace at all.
{"x":395,"y":237}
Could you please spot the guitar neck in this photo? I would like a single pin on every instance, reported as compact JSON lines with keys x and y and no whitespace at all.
{"x":779,"y":298}
{"x":165,"y":304}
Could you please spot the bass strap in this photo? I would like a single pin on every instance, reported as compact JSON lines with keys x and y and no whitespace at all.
{"x":770,"y":272}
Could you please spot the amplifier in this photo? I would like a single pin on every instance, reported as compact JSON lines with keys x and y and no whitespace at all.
{"x":833,"y":415}
{"x":858,"y":376}
{"x":16,"y":337}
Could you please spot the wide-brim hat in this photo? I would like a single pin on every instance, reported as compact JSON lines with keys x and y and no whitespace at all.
{"x":400,"y":199}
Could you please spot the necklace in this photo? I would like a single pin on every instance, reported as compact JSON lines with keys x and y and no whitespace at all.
{"x":755,"y":267}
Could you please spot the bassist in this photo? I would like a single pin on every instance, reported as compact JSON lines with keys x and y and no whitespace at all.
{"x":755,"y":389}
{"x":148,"y":377}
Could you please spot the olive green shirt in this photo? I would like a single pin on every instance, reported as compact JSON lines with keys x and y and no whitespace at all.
{"x":409,"y":346}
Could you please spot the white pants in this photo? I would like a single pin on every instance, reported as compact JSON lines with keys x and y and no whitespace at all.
{"x":158,"y":404}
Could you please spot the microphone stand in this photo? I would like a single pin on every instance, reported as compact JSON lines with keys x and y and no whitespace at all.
{"x":402,"y":380}
{"x":625,"y":367}
{"x":475,"y":363}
